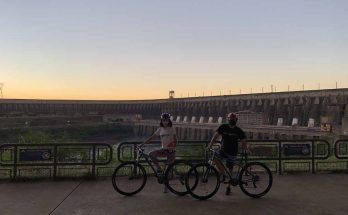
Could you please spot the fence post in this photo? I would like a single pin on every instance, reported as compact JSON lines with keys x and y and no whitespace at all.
{"x":93,"y":164}
{"x":313,"y":160}
{"x":206,"y":152}
{"x":280,"y":157}
{"x":135,"y":152}
{"x":15,"y":162}
{"x":55,"y":162}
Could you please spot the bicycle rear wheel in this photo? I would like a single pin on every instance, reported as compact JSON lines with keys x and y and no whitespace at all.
{"x":202,"y":181}
{"x":175,"y":177}
{"x":129,"y":178}
{"x":255,"y":179}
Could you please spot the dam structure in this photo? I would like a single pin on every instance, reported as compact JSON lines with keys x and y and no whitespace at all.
{"x":277,"y":115}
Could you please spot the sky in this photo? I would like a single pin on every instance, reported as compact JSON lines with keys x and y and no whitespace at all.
{"x":109,"y":49}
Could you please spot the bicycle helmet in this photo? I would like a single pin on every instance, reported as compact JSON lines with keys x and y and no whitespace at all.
{"x":232,"y":116}
{"x":165,"y":116}
{"x":232,"y":119}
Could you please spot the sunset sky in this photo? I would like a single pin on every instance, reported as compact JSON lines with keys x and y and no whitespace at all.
{"x":108,"y":49}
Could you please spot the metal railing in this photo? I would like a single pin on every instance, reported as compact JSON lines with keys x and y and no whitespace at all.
{"x":280,"y":152}
{"x":97,"y":159}
{"x":341,"y":149}
{"x":341,"y":153}
{"x":19,"y":159}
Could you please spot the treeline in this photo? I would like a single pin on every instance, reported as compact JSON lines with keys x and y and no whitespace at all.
{"x":66,"y":134}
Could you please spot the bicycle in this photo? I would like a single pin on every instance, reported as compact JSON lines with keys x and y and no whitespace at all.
{"x":254,"y":178}
{"x":130,"y":177}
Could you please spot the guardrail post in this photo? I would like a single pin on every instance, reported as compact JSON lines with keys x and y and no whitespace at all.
{"x":93,"y":163}
{"x":15,"y":162}
{"x":206,"y":152}
{"x":280,"y":157}
{"x":313,"y":160}
{"x":55,"y":162}
{"x":135,"y":151}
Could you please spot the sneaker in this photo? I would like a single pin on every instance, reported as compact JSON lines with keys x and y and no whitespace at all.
{"x":160,"y":176}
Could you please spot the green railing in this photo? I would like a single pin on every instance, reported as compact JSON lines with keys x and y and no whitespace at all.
{"x":61,"y":160}
{"x":55,"y":160}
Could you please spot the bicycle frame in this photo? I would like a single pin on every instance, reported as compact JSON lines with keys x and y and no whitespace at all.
{"x":243,"y":161}
{"x":203,"y":180}
{"x":148,"y":160}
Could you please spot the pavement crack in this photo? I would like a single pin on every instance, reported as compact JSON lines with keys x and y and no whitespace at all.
{"x":65,"y":198}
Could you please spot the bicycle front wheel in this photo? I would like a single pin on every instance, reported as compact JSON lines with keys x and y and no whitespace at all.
{"x":129,"y":178}
{"x":255,"y":179}
{"x":175,"y":177}
{"x":202,"y":181}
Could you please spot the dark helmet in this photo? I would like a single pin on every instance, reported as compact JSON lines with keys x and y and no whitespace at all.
{"x":232,"y":117}
{"x":165,"y":116}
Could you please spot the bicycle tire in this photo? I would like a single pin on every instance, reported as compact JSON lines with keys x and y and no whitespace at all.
{"x":181,"y":178}
{"x":254,"y":179}
{"x":121,"y":190}
{"x":195,"y":171}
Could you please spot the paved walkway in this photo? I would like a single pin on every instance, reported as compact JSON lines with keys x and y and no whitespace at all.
{"x":290,"y":195}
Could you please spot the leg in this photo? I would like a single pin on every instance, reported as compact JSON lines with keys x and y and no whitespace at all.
{"x":218,"y":163}
{"x":170,"y":157}
{"x":154,"y":155}
{"x":230,"y":167}
{"x":170,"y":160}
{"x":229,"y":164}
{"x":220,"y":167}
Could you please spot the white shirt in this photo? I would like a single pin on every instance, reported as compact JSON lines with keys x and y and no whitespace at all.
{"x":167,"y":137}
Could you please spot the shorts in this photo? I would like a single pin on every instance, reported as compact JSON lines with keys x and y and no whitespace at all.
{"x":230,"y":159}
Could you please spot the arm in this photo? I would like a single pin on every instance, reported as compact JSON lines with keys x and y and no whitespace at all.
{"x":244,"y":146}
{"x":243,"y":141}
{"x":215,"y":136}
{"x":175,"y":139}
{"x":149,"y":139}
{"x":154,"y":135}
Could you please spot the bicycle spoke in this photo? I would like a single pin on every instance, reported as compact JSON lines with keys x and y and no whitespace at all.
{"x":256,"y":180}
{"x":175,"y":177}
{"x":129,"y":179}
{"x":203,"y":181}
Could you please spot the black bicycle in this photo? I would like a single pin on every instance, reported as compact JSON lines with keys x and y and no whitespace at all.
{"x":254,"y":178}
{"x":130,"y":177}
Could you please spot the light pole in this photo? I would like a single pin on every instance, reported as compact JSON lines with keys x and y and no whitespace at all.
{"x":1,"y":87}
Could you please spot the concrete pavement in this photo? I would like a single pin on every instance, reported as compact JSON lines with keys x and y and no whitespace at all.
{"x":291,"y":194}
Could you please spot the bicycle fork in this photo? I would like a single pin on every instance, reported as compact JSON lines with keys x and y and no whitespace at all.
{"x":207,"y":172}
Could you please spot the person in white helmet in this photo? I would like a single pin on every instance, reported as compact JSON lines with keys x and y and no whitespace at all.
{"x":168,"y":137}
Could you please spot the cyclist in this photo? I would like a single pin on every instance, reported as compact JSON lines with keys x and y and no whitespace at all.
{"x":231,"y":135}
{"x":168,"y":137}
